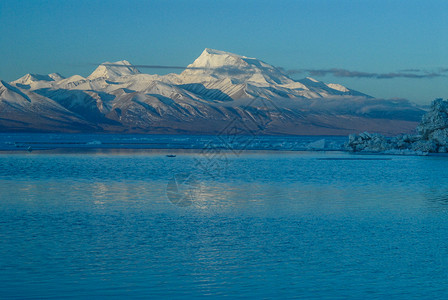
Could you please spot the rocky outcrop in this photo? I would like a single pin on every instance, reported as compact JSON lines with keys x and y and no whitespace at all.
{"x":431,"y":136}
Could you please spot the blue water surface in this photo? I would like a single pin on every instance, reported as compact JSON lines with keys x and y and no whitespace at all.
{"x":254,"y":225}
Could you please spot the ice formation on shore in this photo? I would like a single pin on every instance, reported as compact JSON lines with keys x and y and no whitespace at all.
{"x":431,"y":136}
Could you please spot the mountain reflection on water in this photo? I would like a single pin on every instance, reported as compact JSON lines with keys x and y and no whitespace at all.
{"x":267,"y":225}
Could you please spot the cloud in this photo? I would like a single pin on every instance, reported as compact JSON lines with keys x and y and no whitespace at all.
{"x":408,"y":73}
{"x":145,"y":66}
{"x":411,"y":70}
{"x":226,"y":70}
{"x":412,"y":73}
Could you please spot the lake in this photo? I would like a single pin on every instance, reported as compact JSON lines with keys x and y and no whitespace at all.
{"x":108,"y":223}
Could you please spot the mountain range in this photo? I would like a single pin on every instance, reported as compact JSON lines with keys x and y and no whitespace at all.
{"x":219,"y":91}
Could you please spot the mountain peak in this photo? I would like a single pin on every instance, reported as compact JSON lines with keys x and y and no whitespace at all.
{"x":56,"y":76}
{"x":30,"y":78}
{"x":211,"y":58}
{"x":218,"y":52}
{"x":216,"y":64}
{"x":110,"y":70}
{"x":12,"y":93}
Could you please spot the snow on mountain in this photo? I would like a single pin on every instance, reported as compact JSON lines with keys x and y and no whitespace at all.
{"x":36,"y":81}
{"x":214,"y":64}
{"x":337,"y":87}
{"x":30,"y":78}
{"x":113,"y":70}
{"x":22,"y":110}
{"x":10,"y":94}
{"x":56,"y":76}
{"x":321,"y":89}
{"x":247,"y":77}
{"x":208,"y":94}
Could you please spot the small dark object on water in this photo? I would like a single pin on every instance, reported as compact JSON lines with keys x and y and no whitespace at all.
{"x":170,"y":155}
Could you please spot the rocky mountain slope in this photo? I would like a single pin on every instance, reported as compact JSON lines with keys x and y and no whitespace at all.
{"x":217,"y":89}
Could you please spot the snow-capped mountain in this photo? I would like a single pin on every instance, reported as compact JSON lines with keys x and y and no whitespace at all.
{"x":114,"y":70}
{"x":217,"y":88}
{"x":21,"y":109}
{"x":30,"y":78}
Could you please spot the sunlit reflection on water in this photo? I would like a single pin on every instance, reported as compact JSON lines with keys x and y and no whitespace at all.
{"x":271,"y":225}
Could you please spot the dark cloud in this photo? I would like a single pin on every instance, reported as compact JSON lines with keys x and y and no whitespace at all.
{"x":411,"y":70}
{"x":227,"y":70}
{"x":146,"y":66}
{"x":336,"y":72}
{"x":410,"y":73}
{"x":341,"y":73}
{"x":294,"y":71}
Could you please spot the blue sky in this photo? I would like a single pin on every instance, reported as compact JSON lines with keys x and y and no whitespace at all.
{"x":372,"y":37}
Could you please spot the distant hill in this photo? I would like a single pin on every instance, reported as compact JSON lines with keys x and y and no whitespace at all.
{"x":218,"y":90}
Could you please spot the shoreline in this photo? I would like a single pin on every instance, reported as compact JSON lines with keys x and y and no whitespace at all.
{"x":235,"y":143}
